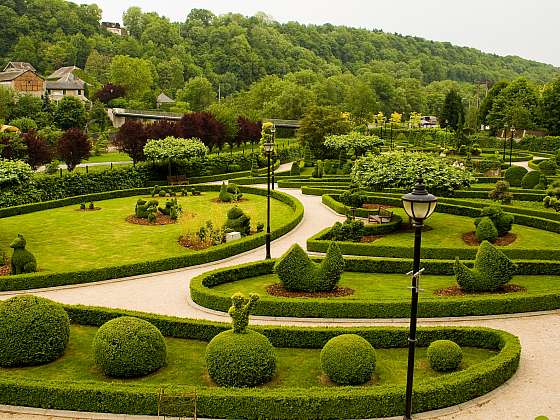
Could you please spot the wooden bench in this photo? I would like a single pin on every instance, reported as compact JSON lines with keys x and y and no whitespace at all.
{"x":177,"y":180}
{"x":383,"y":216}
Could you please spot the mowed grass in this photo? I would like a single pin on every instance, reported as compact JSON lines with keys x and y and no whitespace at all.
{"x":65,"y":238}
{"x":447,"y":232}
{"x":387,"y":287}
{"x":186,"y":365}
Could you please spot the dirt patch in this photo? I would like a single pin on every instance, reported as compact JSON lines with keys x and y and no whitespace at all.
{"x":470,"y":239}
{"x":5,"y":270}
{"x":191,"y":242}
{"x":217,"y":200}
{"x":370,"y":238}
{"x":278,"y":290}
{"x":161,"y":219}
{"x":457,"y":291}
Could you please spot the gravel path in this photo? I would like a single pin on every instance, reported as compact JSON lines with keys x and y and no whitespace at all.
{"x":533,"y":391}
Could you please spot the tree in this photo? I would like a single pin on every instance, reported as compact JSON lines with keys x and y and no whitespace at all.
{"x":131,"y":139}
{"x":109,"y":92}
{"x":172,"y":148}
{"x":551,"y":107}
{"x":7,"y":102}
{"x":517,"y":105}
{"x":73,"y":146}
{"x":453,"y":113}
{"x":160,"y":129}
{"x":321,"y":121}
{"x":12,"y":146}
{"x":38,"y":152}
{"x":70,"y":113}
{"x":24,"y":124}
{"x":488,"y":101}
{"x":133,"y":74}
{"x":28,"y":106}
{"x":228,"y":118}
{"x":97,"y":66}
{"x":203,"y":126}
{"x":248,"y":131}
{"x":198,"y":92}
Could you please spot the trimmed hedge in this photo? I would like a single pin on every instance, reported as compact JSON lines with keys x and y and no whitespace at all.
{"x":40,"y":279}
{"x":308,"y":403}
{"x":202,"y":293}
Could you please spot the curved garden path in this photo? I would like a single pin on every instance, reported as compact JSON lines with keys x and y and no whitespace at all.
{"x":533,"y":391}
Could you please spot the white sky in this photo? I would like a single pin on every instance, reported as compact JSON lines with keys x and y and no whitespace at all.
{"x":529,"y":29}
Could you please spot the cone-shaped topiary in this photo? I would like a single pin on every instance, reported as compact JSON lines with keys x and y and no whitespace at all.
{"x":444,"y":355}
{"x":225,"y":196}
{"x":298,"y":273}
{"x":33,"y":331}
{"x":348,"y":359}
{"x":129,"y":347}
{"x":23,"y":261}
{"x":492,"y":269}
{"x":486,"y":231}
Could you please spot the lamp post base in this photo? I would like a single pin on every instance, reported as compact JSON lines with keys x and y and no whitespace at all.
{"x":267,"y":242}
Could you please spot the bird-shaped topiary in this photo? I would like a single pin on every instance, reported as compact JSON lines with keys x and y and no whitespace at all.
{"x":23,"y":261}
{"x":298,"y":273}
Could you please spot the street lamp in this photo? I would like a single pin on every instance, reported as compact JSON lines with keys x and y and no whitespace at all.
{"x":273,"y":131}
{"x":511,"y":143}
{"x":505,"y":141}
{"x":268,"y":148}
{"x":418,"y":205}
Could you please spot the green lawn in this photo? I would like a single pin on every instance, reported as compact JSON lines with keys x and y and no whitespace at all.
{"x":447,"y":231}
{"x":65,"y":239}
{"x":534,"y":205}
{"x":186,"y":365}
{"x":108,"y":157}
{"x":386,"y":287}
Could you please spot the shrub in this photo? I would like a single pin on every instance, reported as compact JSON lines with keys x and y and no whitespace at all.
{"x":543,"y":182}
{"x":501,"y":193}
{"x":352,"y":198}
{"x":129,"y":347}
{"x":492,"y":269}
{"x":238,"y":221}
{"x":22,"y":260}
{"x":502,"y":220}
{"x":514,"y":175}
{"x":486,"y":231}
{"x":444,"y":355}
{"x":531,"y":180}
{"x":73,"y":146}
{"x":33,"y":331}
{"x":318,"y":170}
{"x":548,"y":167}
{"x":233,"y":189}
{"x":225,"y":196}
{"x":350,"y":230}
{"x":348,"y":359}
{"x":172,"y":148}
{"x":295,"y":170}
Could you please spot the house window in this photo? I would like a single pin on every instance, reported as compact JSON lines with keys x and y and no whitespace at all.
{"x":64,"y":91}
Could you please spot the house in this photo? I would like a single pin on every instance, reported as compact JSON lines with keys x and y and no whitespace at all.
{"x":428,"y":121}
{"x":63,"y":83}
{"x":23,"y":78}
{"x":164,"y":100}
{"x":114,"y":28}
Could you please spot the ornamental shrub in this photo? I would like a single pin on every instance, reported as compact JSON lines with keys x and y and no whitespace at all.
{"x":502,"y":220}
{"x":353,"y":198}
{"x":238,"y":221}
{"x":240,"y":359}
{"x":22,"y":260}
{"x":514,"y":175}
{"x":233,"y":189}
{"x":295,"y":169}
{"x":492,"y":269}
{"x":444,"y":355}
{"x":531,"y":180}
{"x":543,"y":182}
{"x":331,"y":268}
{"x":501,"y":193}
{"x":348,"y":359}
{"x":318,"y":170}
{"x":172,"y":148}
{"x":33,"y":331}
{"x":128,"y":347}
{"x":350,"y":230}
{"x":548,"y":167}
{"x":486,"y":231}
{"x":357,"y":142}
{"x":225,"y":196}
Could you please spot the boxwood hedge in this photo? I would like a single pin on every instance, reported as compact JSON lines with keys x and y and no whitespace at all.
{"x":309,"y":403}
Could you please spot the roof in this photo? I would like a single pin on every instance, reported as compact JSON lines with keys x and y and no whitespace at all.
{"x":164,"y":99}
{"x":19,"y":65}
{"x":68,"y":82}
{"x":61,"y":72}
{"x":7,"y":76}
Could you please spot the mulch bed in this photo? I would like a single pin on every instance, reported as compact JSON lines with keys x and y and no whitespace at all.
{"x":217,"y":200}
{"x":370,"y":238}
{"x":5,"y":270}
{"x":161,"y":219}
{"x":278,"y":290}
{"x":88,"y":209}
{"x":191,"y":243}
{"x":457,"y":291}
{"x":470,"y":239}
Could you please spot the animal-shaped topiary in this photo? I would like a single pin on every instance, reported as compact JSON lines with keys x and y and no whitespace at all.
{"x":225,"y":196}
{"x":298,"y":273}
{"x":492,"y":269}
{"x":238,"y":221}
{"x":240,"y":310}
{"x":23,"y":261}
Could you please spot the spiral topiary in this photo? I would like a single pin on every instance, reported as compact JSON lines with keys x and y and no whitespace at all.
{"x":444,"y":355}
{"x":240,"y":357}
{"x":128,"y":347}
{"x":348,"y":359}
{"x":33,"y":331}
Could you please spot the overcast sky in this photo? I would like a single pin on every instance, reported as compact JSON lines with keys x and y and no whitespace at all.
{"x":529,"y":29}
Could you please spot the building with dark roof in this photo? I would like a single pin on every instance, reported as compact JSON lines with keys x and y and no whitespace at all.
{"x":23,"y":78}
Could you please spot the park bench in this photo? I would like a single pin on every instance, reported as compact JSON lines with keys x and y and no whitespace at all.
{"x":382,"y":216}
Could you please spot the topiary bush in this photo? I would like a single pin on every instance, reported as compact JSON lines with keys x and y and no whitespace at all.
{"x":444,"y":355}
{"x":128,"y":347}
{"x":514,"y":175}
{"x":22,"y":260}
{"x":501,"y":193}
{"x":486,"y":231}
{"x":353,"y":198}
{"x":33,"y":331}
{"x":548,"y":167}
{"x":348,"y":359}
{"x":238,"y":221}
{"x":531,"y":180}
{"x":492,"y":269}
{"x":298,"y":273}
{"x":318,"y":170}
{"x":295,"y":169}
{"x":502,"y":220}
{"x":350,"y":230}
{"x":225,"y":196}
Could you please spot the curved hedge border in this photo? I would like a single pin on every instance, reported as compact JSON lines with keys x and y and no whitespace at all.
{"x":39,"y":280}
{"x":303,"y":403}
{"x":428,"y":307}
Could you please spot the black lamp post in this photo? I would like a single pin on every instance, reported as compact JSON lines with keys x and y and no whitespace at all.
{"x":268,"y":148}
{"x":505,"y":142}
{"x":418,"y":205}
{"x":511,"y":143}
{"x":273,"y":131}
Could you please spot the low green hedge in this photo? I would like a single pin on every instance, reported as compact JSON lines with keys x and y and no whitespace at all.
{"x":202,"y":294}
{"x":39,"y":280}
{"x":303,"y":403}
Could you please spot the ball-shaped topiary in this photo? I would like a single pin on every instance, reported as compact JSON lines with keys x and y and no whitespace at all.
{"x":444,"y":355}
{"x":486,"y":231}
{"x":240,"y":359}
{"x":514,"y":175}
{"x":531,"y":180}
{"x":128,"y":347}
{"x":33,"y":331}
{"x":548,"y":167}
{"x":348,"y":359}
